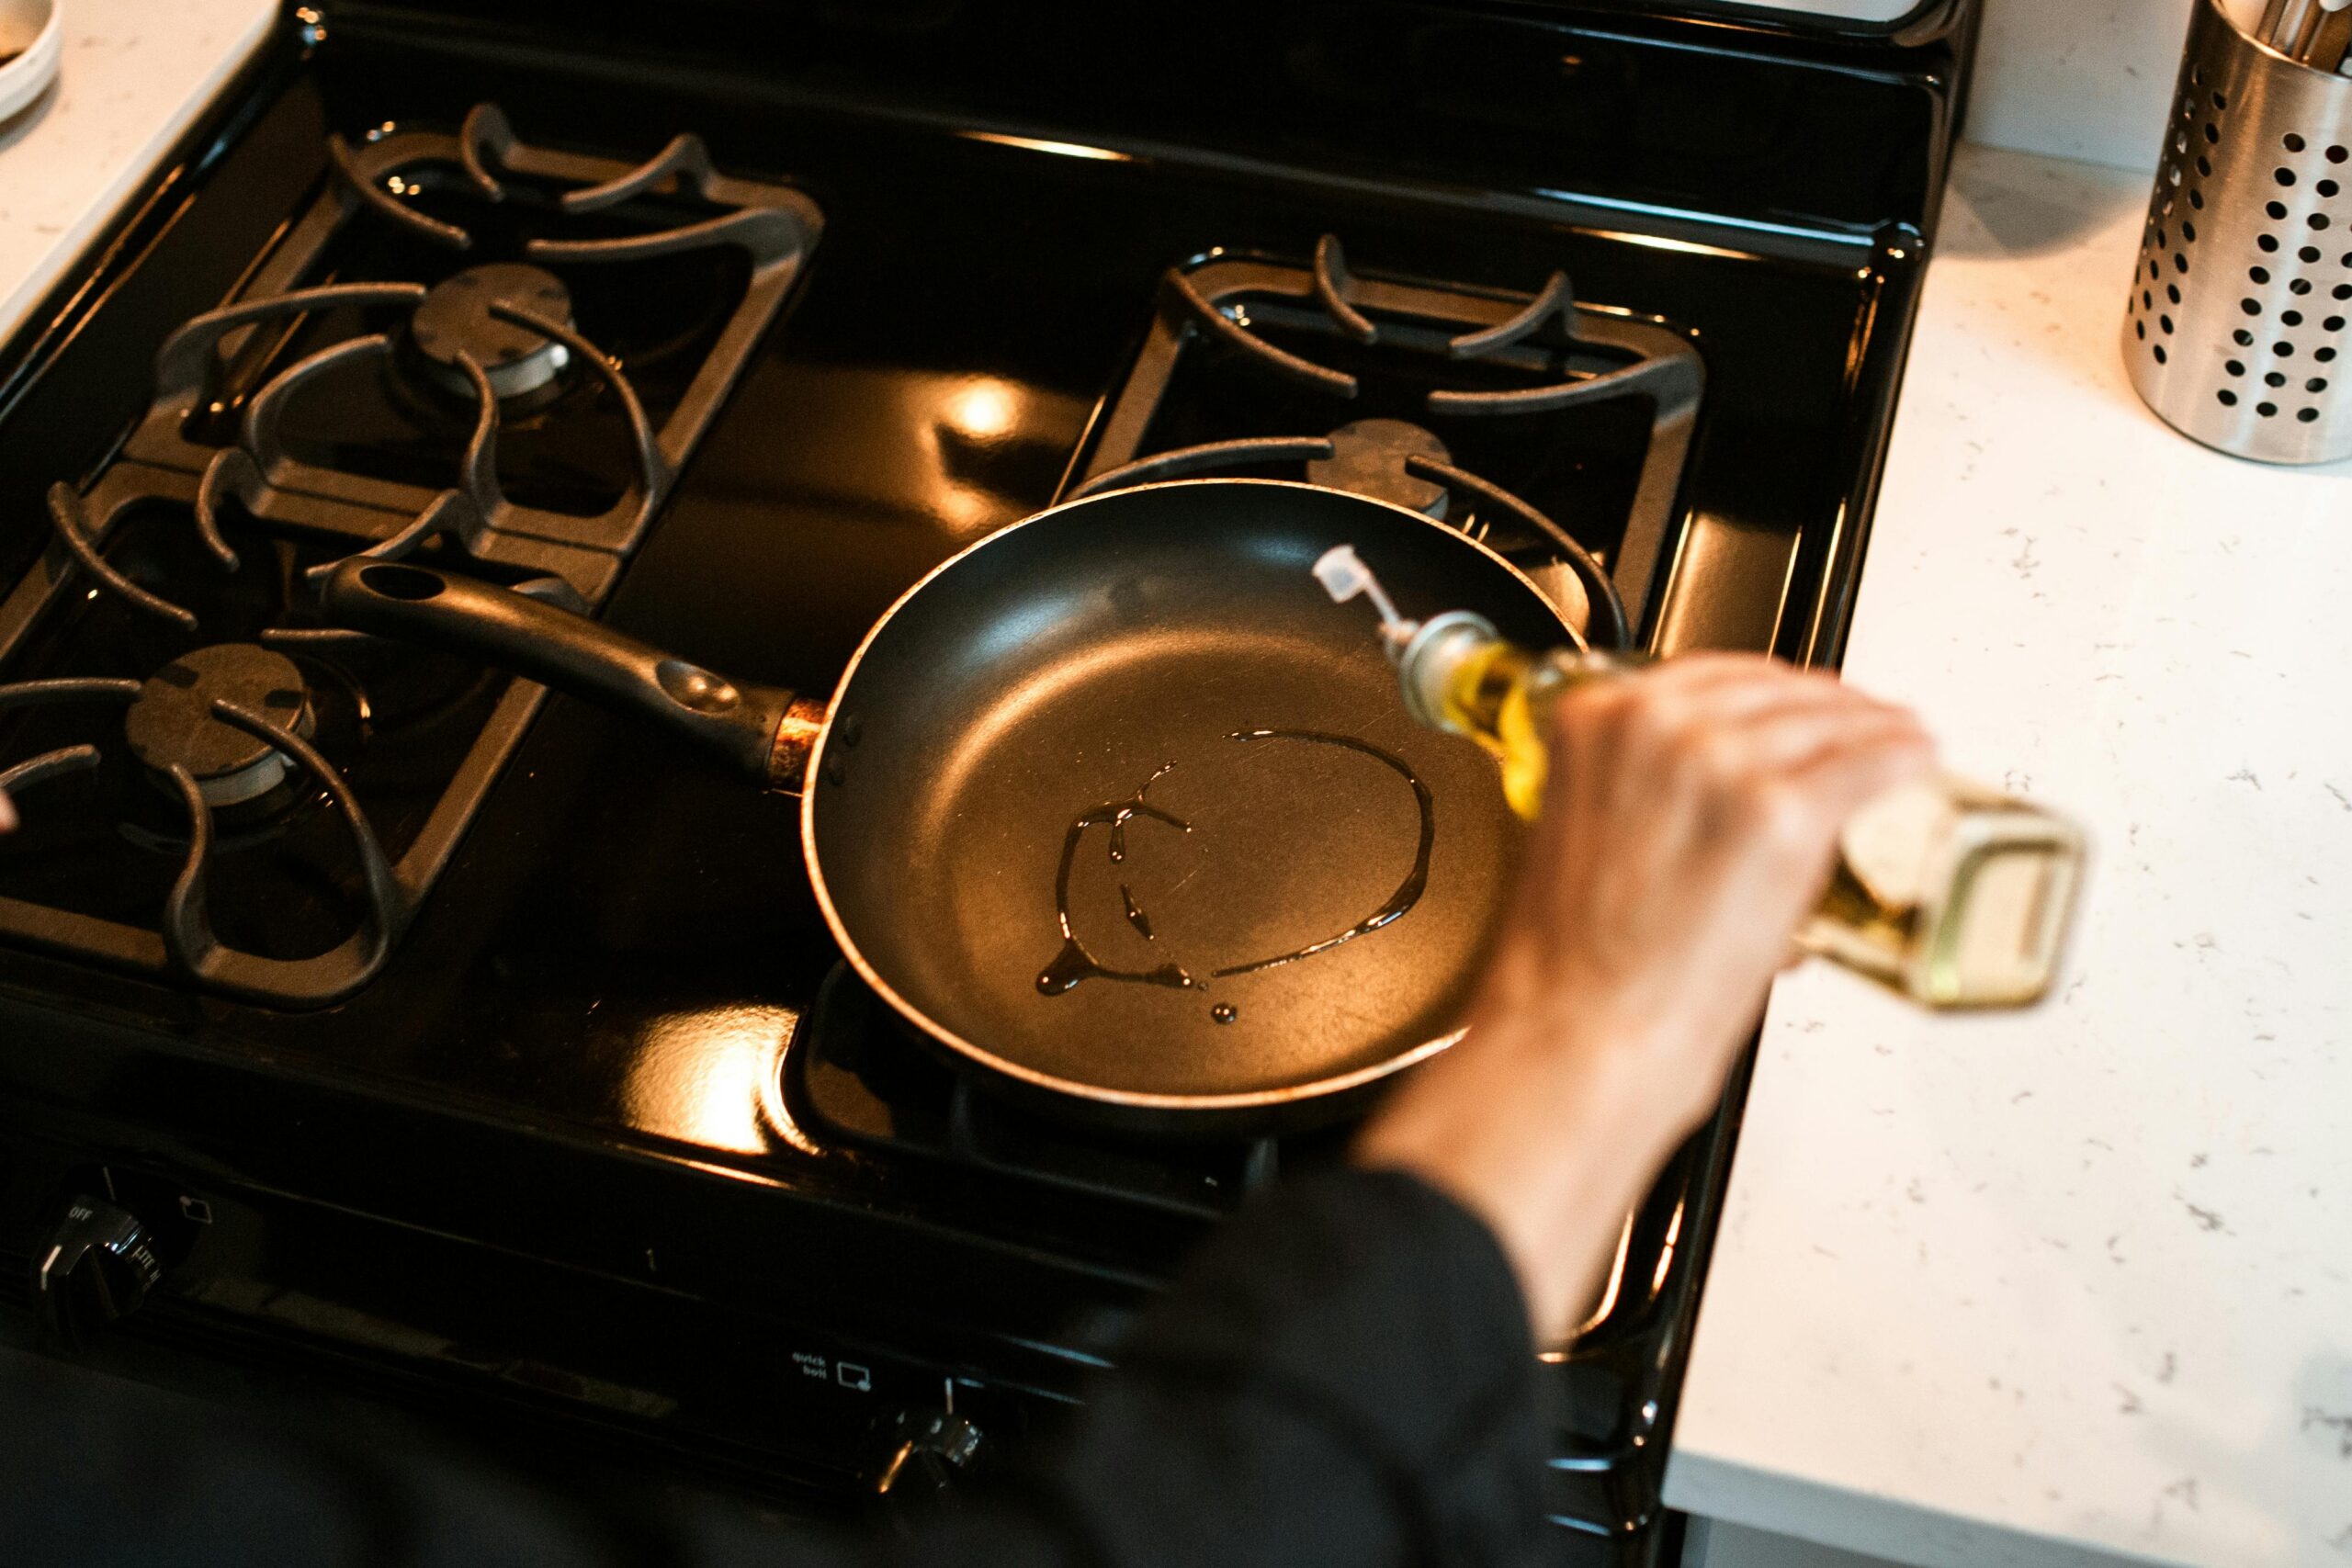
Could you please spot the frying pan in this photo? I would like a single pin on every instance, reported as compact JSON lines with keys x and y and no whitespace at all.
{"x":1115,"y":804}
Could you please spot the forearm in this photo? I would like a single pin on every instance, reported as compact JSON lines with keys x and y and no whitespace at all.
{"x":1549,"y":1147}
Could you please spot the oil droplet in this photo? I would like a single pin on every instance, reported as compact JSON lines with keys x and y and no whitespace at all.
{"x":1225,"y":1012}
{"x":1135,"y":917}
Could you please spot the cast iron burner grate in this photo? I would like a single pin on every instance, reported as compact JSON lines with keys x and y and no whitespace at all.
{"x":1555,"y":430}
{"x":428,"y":358}
{"x":852,"y":1071}
{"x":435,"y":347}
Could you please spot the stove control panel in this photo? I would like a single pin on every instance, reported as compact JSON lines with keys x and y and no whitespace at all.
{"x":240,"y":1269}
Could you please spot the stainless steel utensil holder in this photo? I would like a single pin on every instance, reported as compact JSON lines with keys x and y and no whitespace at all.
{"x":2237,"y":325}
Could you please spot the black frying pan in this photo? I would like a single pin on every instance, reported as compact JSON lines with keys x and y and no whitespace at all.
{"x":1115,"y":804}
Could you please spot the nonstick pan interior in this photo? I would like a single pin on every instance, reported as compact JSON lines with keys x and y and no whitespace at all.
{"x":1153,"y":682}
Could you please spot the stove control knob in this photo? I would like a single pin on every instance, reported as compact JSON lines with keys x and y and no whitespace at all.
{"x":99,"y":1264}
{"x":927,"y":1449}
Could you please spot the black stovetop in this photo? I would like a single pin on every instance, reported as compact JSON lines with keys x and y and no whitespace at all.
{"x":600,"y":1136}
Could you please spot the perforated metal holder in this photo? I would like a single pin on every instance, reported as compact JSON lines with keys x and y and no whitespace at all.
{"x":2243,"y":295}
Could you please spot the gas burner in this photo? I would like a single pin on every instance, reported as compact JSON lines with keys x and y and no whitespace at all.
{"x":267,"y":403}
{"x":172,"y":722}
{"x":1374,"y":457}
{"x":1398,"y":461}
{"x":261,"y":470}
{"x":472,"y":315}
{"x":852,"y":1073}
{"x":231,"y":717}
{"x":1534,"y":381}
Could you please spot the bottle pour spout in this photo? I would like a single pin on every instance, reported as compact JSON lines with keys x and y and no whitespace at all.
{"x":1344,"y":576}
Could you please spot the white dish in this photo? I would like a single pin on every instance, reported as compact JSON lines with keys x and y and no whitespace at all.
{"x":1841,"y":10}
{"x":32,"y":35}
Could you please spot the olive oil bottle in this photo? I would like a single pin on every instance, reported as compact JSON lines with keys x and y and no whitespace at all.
{"x":1954,"y":895}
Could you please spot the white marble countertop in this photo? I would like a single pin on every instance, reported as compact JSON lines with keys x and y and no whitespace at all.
{"x":2074,"y":1285}
{"x":135,"y":75}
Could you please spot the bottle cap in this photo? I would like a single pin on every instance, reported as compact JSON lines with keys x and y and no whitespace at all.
{"x":1344,"y":576}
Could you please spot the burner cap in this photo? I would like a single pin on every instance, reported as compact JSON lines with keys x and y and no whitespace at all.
{"x":172,"y":720}
{"x":1368,"y":457}
{"x":454,"y":318}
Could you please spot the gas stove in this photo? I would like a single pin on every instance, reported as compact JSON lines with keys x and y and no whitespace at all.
{"x":391,"y":1019}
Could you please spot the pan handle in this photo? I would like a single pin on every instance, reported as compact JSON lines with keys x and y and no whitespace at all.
{"x":764,"y":731}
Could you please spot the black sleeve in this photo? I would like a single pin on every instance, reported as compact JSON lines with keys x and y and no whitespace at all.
{"x":1342,"y":1378}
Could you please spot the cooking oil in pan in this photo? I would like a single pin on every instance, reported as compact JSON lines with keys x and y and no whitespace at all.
{"x":1074,"y":963}
{"x":1954,"y":895}
{"x":1409,"y":892}
{"x":1135,"y":917}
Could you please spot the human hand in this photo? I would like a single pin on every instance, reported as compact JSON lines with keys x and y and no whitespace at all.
{"x":7,"y":813}
{"x":1689,"y":826}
